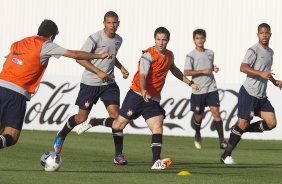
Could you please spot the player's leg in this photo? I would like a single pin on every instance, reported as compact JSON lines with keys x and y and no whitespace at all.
{"x":218,"y":126}
{"x":72,"y":122}
{"x":246,"y":106}
{"x":267,"y":113}
{"x":12,"y":112}
{"x":9,"y":137}
{"x":87,"y":96}
{"x":198,"y":107}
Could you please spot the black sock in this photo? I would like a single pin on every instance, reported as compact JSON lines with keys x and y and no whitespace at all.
{"x":68,"y":126}
{"x":102,"y":121}
{"x":219,"y":128}
{"x":258,"y":126}
{"x":118,"y":140}
{"x":235,"y":137}
{"x":156,"y":145}
{"x":6,"y":141}
{"x":197,"y":127}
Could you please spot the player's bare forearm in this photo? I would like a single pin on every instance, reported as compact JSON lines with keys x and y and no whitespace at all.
{"x":81,"y":55}
{"x":245,"y":68}
{"x":197,"y":72}
{"x":118,"y":64}
{"x":178,"y":74}
{"x":88,"y":65}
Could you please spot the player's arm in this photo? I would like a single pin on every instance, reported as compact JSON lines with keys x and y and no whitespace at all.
{"x":178,"y":74}
{"x":89,"y":66}
{"x":124,"y":72}
{"x":81,"y":55}
{"x":245,"y":68}
{"x":144,"y":68}
{"x":206,"y":71}
{"x":275,"y":82}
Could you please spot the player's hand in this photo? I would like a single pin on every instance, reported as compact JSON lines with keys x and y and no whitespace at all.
{"x":215,"y":69}
{"x":278,"y":83}
{"x":207,"y":71}
{"x":144,"y":95}
{"x":196,"y":87}
{"x":106,"y":55}
{"x":104,"y":76}
{"x":124,"y":72}
{"x":266,"y":74}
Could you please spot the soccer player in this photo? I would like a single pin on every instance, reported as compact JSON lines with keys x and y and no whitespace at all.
{"x":199,"y":64}
{"x":252,"y":98}
{"x":99,"y":84}
{"x":21,"y":74}
{"x":144,"y":95}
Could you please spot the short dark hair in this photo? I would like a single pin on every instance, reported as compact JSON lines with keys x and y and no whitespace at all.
{"x":110,"y":14}
{"x":199,"y":32}
{"x":264,"y":25}
{"x":47,"y":28}
{"x":162,"y":30}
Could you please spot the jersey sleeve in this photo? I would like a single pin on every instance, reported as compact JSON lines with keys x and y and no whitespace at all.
{"x":145,"y":63}
{"x":250,"y":57}
{"x":89,"y":45}
{"x":188,"y":63}
{"x":50,"y":49}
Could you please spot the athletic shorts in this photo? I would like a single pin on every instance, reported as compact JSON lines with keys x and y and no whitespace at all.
{"x":250,"y":106}
{"x":12,"y":108}
{"x":89,"y":95}
{"x":200,"y":101}
{"x":134,"y":106}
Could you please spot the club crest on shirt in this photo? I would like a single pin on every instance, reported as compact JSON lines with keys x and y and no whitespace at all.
{"x":252,"y":114}
{"x":86,"y":104}
{"x":129,"y":112}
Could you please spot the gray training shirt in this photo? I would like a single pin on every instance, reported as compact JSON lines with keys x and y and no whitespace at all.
{"x":48,"y":50}
{"x":260,"y":59}
{"x":197,"y":60}
{"x":99,"y":43}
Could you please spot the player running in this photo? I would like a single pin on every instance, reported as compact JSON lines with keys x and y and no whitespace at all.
{"x":252,"y":98}
{"x":199,"y":64}
{"x":144,"y":95}
{"x":22,"y":73}
{"x":99,"y":84}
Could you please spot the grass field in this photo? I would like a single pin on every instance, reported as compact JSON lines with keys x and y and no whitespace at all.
{"x":88,"y":159}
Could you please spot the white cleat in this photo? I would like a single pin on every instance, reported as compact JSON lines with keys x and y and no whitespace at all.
{"x":162,"y":164}
{"x":228,"y":160}
{"x":83,"y":128}
{"x":198,"y":145}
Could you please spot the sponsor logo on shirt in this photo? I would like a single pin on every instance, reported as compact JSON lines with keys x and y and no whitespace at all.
{"x":17,"y":61}
{"x":129,"y":112}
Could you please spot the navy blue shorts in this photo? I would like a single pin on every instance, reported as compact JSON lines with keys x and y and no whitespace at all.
{"x":12,"y":108}
{"x":200,"y":101}
{"x":250,"y":106}
{"x":134,"y":106}
{"x":89,"y":95}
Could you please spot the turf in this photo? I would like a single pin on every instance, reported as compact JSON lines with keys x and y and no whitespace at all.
{"x":88,"y":159}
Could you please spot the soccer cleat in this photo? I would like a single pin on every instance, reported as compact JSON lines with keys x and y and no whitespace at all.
{"x":83,"y":128}
{"x":162,"y":164}
{"x":198,"y":145}
{"x":223,"y":145}
{"x":120,"y":160}
{"x":58,"y":143}
{"x":228,"y":160}
{"x":198,"y":141}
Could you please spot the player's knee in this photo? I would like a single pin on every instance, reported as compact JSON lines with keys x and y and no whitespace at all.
{"x":271,"y":125}
{"x":80,"y":118}
{"x":113,"y":114}
{"x":158,"y":130}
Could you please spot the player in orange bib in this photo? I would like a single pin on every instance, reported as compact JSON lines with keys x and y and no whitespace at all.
{"x":144,"y":95}
{"x":22,"y":72}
